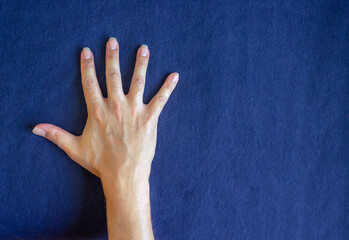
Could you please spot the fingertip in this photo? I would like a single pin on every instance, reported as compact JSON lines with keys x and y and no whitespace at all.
{"x":112,"y":43}
{"x":86,"y":53}
{"x":144,"y":50}
{"x":39,"y":131}
{"x":175,"y":77}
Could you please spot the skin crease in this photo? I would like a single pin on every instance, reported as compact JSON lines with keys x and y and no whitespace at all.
{"x":119,"y":140}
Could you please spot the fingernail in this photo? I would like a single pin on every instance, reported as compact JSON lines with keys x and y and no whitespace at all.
{"x":39,"y":131}
{"x":175,"y":78}
{"x":144,"y":50}
{"x":87,"y":52}
{"x":112,"y":43}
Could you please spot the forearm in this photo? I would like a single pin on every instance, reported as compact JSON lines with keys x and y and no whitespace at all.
{"x":128,"y":210}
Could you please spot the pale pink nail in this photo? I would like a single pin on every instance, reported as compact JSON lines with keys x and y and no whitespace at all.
{"x":39,"y":131}
{"x":87,"y":52}
{"x":175,"y":78}
{"x":144,"y":50}
{"x":112,"y":43}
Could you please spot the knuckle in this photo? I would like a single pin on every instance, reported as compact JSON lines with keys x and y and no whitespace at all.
{"x":52,"y":136}
{"x":89,"y":82}
{"x":113,"y":75}
{"x":140,"y":81}
{"x":134,"y":113}
{"x":117,"y":109}
{"x":161,"y":99}
{"x":89,"y":63}
{"x":149,"y":123}
{"x":97,"y":113}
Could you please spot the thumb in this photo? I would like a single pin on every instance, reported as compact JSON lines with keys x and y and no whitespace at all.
{"x":63,"y":139}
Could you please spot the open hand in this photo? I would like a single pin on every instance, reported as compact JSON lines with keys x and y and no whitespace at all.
{"x":119,"y":137}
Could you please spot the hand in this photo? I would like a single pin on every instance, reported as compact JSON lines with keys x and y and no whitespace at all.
{"x":119,"y":138}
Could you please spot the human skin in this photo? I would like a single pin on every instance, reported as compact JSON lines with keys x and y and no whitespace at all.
{"x":118,"y":141}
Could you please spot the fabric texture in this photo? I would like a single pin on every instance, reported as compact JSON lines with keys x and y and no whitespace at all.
{"x":252,"y":144}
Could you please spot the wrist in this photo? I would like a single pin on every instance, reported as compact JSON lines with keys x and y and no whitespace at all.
{"x":125,"y":188}
{"x":128,"y":175}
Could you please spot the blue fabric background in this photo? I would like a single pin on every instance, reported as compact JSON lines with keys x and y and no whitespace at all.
{"x":253,"y":143}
